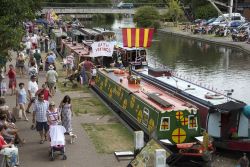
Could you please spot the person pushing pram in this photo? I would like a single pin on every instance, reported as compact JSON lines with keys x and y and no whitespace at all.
{"x":54,"y":118}
{"x":56,"y":132}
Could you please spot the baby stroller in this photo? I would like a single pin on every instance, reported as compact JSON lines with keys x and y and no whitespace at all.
{"x":72,"y":78}
{"x":57,"y":141}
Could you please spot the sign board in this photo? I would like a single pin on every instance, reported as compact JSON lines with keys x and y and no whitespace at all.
{"x":102,"y":48}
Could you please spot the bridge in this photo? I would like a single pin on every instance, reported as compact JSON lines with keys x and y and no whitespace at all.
{"x":93,"y":8}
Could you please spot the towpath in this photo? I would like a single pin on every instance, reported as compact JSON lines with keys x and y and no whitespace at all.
{"x":82,"y":153}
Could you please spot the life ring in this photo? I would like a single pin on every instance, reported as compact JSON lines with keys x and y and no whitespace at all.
{"x":213,"y":96}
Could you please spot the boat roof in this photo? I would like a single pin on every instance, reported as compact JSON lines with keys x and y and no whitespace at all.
{"x":228,"y":107}
{"x":193,"y":89}
{"x":103,"y":30}
{"x":78,"y":48}
{"x":89,"y":31}
{"x":77,"y":33}
{"x":143,"y":90}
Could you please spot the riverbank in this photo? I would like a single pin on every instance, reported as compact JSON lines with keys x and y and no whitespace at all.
{"x":225,"y":41}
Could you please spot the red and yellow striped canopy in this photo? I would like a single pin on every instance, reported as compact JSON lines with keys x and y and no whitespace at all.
{"x":137,"y":37}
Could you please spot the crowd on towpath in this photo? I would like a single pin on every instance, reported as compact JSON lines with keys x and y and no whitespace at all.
{"x":30,"y":103}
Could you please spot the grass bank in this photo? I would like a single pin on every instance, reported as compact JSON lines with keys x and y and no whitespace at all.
{"x":108,"y":138}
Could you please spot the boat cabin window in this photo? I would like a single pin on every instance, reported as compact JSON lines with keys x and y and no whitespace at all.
{"x":165,"y":124}
{"x":192,"y":122}
{"x":145,"y":116}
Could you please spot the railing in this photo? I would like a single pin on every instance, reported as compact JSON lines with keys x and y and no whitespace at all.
{"x":98,"y":5}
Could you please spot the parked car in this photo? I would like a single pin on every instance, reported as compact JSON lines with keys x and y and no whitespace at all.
{"x":200,"y":21}
{"x":221,"y":19}
{"x":210,"y":21}
{"x":235,"y":24}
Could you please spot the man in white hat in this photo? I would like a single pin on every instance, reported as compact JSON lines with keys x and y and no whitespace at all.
{"x":51,"y":78}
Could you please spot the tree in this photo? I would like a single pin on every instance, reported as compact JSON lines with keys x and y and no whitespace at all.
{"x":205,"y":12}
{"x":175,"y":11}
{"x":147,"y":16}
{"x":12,"y":15}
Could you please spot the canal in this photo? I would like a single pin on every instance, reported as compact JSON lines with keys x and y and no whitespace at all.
{"x":214,"y":66}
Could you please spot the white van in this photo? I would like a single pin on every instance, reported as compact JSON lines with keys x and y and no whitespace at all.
{"x":122,"y":5}
{"x":234,"y":16}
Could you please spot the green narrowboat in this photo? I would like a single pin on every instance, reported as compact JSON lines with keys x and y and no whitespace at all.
{"x":156,"y":112}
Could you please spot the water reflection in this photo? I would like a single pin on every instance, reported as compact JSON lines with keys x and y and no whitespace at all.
{"x":216,"y":66}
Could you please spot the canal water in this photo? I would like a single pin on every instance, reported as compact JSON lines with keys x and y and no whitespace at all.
{"x":217,"y":67}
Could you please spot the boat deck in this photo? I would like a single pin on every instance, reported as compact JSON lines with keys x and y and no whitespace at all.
{"x":191,"y":88}
{"x":157,"y":98}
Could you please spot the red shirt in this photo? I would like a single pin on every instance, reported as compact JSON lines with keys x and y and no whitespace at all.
{"x":12,"y":74}
{"x":2,"y":142}
{"x":88,"y":65}
{"x":45,"y":93}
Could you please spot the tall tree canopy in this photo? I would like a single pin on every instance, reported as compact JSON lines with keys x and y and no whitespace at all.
{"x":175,"y":11}
{"x":147,"y":16}
{"x":12,"y":15}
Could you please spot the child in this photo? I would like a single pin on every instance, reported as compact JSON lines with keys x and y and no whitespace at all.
{"x":12,"y":79}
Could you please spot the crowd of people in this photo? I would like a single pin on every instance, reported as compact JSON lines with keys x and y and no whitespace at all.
{"x":37,"y":57}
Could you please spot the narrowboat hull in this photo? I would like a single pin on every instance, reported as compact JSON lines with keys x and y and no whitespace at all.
{"x":233,"y":145}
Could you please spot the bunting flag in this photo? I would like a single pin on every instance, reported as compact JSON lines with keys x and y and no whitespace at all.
{"x":137,"y":37}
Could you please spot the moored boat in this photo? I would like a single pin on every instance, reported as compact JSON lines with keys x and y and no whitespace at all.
{"x":223,"y":117}
{"x":159,"y":114}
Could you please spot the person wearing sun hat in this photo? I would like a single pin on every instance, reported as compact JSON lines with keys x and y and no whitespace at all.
{"x":51,"y":78}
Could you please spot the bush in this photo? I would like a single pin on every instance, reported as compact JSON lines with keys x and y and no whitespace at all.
{"x":205,"y":12}
{"x":147,"y":16}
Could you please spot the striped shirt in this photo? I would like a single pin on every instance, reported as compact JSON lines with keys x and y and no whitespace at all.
{"x":53,"y":116}
{"x":41,"y":108}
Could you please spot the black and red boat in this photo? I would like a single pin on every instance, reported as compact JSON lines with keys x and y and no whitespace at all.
{"x":224,"y":118}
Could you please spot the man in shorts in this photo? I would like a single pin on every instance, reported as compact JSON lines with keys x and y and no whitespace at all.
{"x":40,"y":117}
{"x":51,"y":78}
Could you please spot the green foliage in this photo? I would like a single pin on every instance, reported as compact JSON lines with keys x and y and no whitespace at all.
{"x":145,"y":1}
{"x":205,"y":12}
{"x":103,"y":20}
{"x":147,"y":16}
{"x":175,"y":11}
{"x":12,"y":14}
